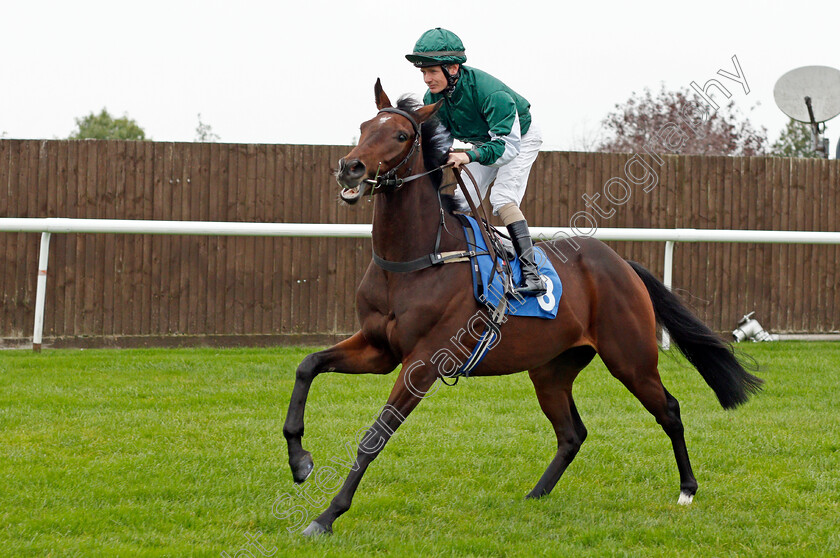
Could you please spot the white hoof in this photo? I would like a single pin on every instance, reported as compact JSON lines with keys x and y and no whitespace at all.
{"x":316,"y":529}
{"x":685,"y":498}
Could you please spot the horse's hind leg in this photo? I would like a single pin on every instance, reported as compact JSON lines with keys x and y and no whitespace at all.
{"x":553,"y":384}
{"x":634,"y":364}
{"x":352,"y":356}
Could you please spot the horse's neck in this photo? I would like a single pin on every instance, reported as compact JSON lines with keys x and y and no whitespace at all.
{"x":405,"y":222}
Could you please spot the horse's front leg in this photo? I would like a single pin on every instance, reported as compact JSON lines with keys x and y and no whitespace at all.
{"x":352,"y":356}
{"x":412,"y":386}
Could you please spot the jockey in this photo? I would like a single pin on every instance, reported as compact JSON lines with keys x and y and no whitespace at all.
{"x":481,"y":110}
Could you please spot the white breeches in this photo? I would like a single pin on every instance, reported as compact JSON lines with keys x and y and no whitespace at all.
{"x":511,"y":179}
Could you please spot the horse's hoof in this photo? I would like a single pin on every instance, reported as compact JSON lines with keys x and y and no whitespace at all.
{"x":316,"y":529}
{"x":535,"y":494}
{"x":303,"y":468}
{"x":685,"y":498}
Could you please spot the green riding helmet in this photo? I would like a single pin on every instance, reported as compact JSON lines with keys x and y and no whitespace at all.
{"x":437,"y":47}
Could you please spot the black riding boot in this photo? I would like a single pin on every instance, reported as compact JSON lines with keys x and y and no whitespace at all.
{"x":531,"y":283}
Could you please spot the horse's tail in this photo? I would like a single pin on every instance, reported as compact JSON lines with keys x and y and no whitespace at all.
{"x":713,"y":357}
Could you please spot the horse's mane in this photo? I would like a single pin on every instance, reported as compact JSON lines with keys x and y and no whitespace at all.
{"x":436,"y":142}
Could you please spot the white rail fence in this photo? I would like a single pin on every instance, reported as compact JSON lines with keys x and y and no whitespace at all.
{"x":50,"y":226}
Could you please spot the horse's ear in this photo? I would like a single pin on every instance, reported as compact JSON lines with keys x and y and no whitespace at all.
{"x":382,"y":100}
{"x":427,"y":111}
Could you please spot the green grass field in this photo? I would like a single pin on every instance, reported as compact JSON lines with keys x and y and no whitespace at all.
{"x":181,"y":453}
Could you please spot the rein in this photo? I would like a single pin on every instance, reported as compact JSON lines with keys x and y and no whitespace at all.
{"x":390,"y":179}
{"x":483,"y":227}
{"x":436,"y":257}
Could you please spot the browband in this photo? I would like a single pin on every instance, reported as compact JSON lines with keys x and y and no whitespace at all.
{"x":405,"y":115}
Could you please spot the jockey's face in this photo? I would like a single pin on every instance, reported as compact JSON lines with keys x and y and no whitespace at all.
{"x":435,"y":78}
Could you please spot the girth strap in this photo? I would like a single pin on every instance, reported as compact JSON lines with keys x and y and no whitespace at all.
{"x":423,"y":262}
{"x":429,"y":260}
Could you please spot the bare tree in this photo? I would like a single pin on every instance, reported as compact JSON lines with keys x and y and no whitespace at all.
{"x":677,"y":122}
{"x":204,"y":132}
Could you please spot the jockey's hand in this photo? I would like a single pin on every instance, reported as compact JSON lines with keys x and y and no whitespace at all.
{"x":458,"y":158}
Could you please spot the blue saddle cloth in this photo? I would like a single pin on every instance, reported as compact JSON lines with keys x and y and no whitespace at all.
{"x":490,"y":293}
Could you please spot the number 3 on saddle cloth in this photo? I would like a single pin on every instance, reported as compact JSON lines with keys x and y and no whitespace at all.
{"x":490,"y":294}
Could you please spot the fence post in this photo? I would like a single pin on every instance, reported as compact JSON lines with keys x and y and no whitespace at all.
{"x":41,"y":292}
{"x":668,"y":279}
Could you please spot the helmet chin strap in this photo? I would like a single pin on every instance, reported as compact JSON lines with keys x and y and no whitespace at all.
{"x":451,"y":80}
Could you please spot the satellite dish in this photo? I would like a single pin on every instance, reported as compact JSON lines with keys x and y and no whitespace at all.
{"x":810,"y":94}
{"x":821,"y":84}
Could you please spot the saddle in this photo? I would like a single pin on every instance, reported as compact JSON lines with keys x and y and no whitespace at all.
{"x":495,"y":270}
{"x":493,"y":288}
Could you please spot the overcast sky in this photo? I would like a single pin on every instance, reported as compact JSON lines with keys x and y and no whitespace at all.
{"x":303,"y":71}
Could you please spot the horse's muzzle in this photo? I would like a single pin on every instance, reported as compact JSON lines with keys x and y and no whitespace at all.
{"x":350,"y":177}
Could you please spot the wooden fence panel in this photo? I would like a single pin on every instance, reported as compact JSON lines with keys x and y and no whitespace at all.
{"x":148,"y":285}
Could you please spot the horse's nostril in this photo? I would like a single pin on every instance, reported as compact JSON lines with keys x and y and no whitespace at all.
{"x":355,"y":168}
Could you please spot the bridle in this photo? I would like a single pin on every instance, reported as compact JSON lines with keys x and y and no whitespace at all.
{"x":389,"y":180}
{"x":436,"y":257}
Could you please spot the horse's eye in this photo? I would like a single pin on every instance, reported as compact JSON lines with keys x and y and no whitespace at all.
{"x":402,"y":137}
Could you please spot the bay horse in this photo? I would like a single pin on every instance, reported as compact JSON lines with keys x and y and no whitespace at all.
{"x":609,"y":306}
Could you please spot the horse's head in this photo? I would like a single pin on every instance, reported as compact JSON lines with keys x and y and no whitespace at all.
{"x":389,"y":142}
